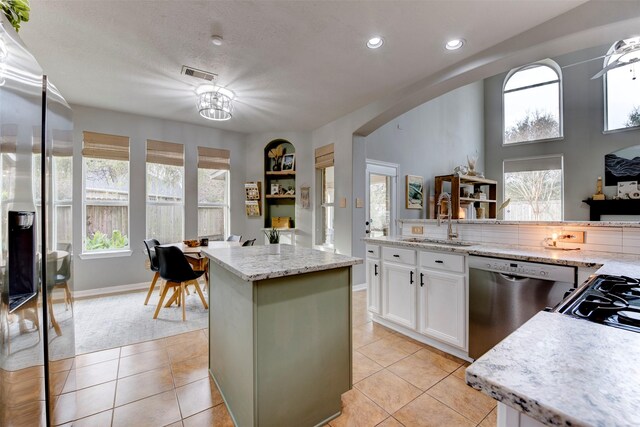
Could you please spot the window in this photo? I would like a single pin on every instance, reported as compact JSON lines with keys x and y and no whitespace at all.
{"x":165,"y":191}
{"x":324,"y":164}
{"x":622,"y":91}
{"x":328,"y":199}
{"x":213,"y":193}
{"x":532,"y":103}
{"x":535,"y":187}
{"x":105,"y":192}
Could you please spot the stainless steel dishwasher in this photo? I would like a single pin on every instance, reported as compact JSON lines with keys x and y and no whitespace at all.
{"x":504,"y":294}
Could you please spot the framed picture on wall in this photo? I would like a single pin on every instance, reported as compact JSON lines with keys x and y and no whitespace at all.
{"x":288,"y":162}
{"x":414,"y":192}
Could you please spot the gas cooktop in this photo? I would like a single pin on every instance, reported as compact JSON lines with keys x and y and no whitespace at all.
{"x":609,"y":300}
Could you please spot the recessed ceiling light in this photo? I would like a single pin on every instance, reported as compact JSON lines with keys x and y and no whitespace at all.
{"x":454,"y":44}
{"x":375,"y":42}
{"x":216,"y":40}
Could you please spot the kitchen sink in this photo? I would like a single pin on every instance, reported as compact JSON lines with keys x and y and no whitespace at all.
{"x":436,"y":241}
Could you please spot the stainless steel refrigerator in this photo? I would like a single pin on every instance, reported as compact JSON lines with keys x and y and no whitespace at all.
{"x":37,"y":343}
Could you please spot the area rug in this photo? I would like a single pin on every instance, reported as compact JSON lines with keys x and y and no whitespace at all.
{"x":113,"y":321}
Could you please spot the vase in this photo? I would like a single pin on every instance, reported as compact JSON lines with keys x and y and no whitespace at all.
{"x":274,"y":248}
{"x":276,"y":166}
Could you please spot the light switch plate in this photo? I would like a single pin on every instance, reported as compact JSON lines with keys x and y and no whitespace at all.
{"x":343,"y":202}
{"x":416,"y":229}
{"x":575,"y":237}
{"x":359,"y":202}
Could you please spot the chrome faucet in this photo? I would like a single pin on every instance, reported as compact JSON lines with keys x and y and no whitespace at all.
{"x":450,"y":234}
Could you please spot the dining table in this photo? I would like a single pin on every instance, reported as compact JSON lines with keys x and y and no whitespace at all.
{"x":194,"y":254}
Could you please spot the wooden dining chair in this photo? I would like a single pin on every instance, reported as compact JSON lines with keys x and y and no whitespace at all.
{"x":175,"y":269}
{"x":150,"y":244}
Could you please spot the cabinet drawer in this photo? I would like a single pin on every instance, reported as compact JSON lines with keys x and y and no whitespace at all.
{"x":373,"y":251}
{"x":442,"y":261}
{"x":402,"y":256}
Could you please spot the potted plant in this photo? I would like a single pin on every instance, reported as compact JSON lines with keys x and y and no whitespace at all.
{"x":274,"y":240}
{"x":16,"y":11}
{"x":276,"y":154}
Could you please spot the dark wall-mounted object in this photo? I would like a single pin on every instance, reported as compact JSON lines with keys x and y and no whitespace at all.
{"x":22,"y":258}
{"x":622,"y":165}
{"x":597,"y":208}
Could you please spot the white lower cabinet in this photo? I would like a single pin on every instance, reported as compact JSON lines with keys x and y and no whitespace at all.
{"x":399,"y":294}
{"x":442,"y":306}
{"x":373,"y":285}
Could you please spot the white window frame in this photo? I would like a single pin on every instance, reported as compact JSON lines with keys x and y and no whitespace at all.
{"x":226,"y":205}
{"x":126,"y":251}
{"x":390,"y":170}
{"x":605,"y":100}
{"x":156,"y":203}
{"x":561,"y":156}
{"x":556,"y":68}
{"x":323,"y":209}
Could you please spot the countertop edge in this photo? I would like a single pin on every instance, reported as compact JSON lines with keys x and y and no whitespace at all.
{"x":477,"y":249}
{"x":282,"y":272}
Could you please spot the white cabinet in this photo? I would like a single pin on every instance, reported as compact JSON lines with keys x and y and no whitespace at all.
{"x":399,"y":294}
{"x":442,"y":306}
{"x":373,"y":285}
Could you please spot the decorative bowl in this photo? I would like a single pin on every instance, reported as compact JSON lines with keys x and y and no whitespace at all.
{"x":192,"y":243}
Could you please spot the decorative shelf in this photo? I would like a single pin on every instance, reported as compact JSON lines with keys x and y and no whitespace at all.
{"x":280,"y":196}
{"x":280,"y":173}
{"x":457,"y":181}
{"x":597,"y":208}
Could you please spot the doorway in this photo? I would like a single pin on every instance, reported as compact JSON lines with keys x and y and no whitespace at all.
{"x":381,"y":182}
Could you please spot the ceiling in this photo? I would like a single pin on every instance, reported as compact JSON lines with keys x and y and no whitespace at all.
{"x":294,"y":65}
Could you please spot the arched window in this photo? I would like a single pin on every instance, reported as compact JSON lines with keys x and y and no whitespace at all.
{"x":621,"y":90}
{"x":532,"y":103}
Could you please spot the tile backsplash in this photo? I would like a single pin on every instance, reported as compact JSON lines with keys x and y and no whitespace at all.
{"x":597,"y":238}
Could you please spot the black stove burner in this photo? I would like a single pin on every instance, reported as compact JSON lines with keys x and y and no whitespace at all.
{"x":610,"y":300}
{"x":629,"y":317}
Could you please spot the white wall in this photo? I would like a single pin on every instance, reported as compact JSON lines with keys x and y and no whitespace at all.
{"x":429,"y":140}
{"x":254,"y":164}
{"x":106,"y":272}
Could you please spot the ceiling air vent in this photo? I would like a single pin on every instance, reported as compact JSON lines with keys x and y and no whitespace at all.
{"x":200,"y":74}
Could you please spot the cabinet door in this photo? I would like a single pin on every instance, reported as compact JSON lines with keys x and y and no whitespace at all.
{"x":399,"y":294}
{"x":373,"y":285}
{"x":442,"y":307}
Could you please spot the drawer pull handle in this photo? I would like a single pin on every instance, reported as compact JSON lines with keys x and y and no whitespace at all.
{"x":411,"y":278}
{"x":439,"y":261}
{"x":375,"y":269}
{"x":396,"y":255}
{"x":370,"y":251}
{"x":421,"y":279}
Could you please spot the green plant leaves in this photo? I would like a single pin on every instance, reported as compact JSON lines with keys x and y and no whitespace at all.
{"x":100,"y":241}
{"x":16,"y":11}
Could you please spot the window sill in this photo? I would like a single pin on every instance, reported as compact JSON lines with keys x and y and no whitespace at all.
{"x":106,"y":254}
{"x":535,"y":141}
{"x":619,"y":130}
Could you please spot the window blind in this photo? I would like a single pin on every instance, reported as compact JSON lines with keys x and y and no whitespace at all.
{"x":62,"y":142}
{"x":8,"y":138}
{"x":165,"y":153}
{"x":214,"y":158}
{"x":105,"y":146}
{"x":324,"y":156}
{"x":533,"y":164}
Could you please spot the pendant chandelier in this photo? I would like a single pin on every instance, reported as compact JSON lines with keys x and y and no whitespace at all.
{"x":216,"y":104}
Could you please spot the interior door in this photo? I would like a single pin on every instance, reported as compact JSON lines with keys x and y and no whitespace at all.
{"x":381,"y":199}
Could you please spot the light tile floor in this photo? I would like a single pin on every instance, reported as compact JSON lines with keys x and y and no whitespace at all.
{"x":165,"y":382}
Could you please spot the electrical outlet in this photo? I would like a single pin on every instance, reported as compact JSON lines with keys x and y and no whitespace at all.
{"x":571,"y":237}
{"x":417,"y":229}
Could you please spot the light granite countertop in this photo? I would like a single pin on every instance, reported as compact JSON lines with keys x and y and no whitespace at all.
{"x":564,"y":371}
{"x":253,"y":263}
{"x":611,"y":262}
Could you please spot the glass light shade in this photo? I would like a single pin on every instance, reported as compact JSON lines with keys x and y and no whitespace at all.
{"x":215,"y":106}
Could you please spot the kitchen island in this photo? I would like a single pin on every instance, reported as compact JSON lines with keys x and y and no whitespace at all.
{"x":280,"y":333}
